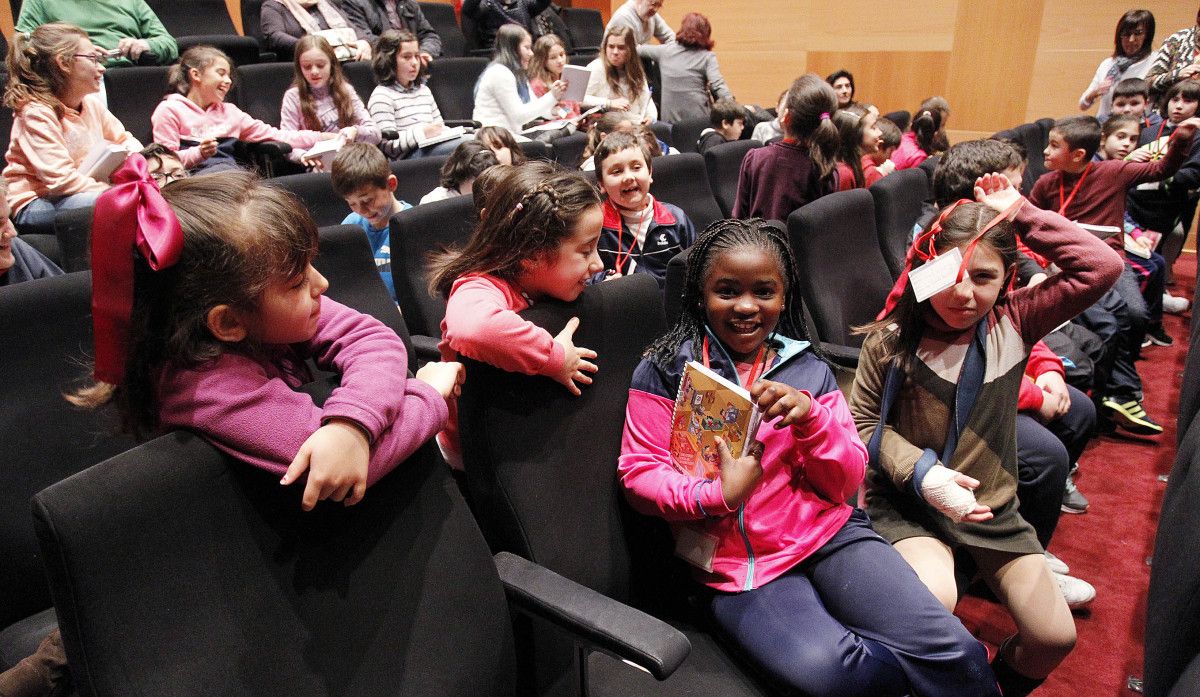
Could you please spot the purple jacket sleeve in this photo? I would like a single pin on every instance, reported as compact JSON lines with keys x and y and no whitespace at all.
{"x":254,"y":416}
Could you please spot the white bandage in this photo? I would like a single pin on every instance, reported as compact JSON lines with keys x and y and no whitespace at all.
{"x":943,"y":493}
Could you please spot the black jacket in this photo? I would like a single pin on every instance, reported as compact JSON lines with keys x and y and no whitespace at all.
{"x":370,"y":13}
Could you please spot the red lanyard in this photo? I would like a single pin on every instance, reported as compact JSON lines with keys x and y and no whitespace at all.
{"x":755,"y":369}
{"x":1062,"y":209}
{"x":623,"y":256}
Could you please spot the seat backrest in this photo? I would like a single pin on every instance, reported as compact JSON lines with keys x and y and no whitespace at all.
{"x":452,"y":82}
{"x":568,"y":150}
{"x":1173,"y":602}
{"x":1189,"y":388}
{"x":536,"y":150}
{"x":441,"y":18}
{"x":47,"y":337}
{"x":664,"y":132}
{"x":417,"y":177}
{"x":673,"y":290}
{"x":361,"y":77}
{"x":347,"y":261}
{"x":686,"y":133}
{"x":6,"y":123}
{"x":175,"y":567}
{"x":843,"y":277}
{"x":73,"y":228}
{"x":315,"y":189}
{"x":252,"y":18}
{"x":415,"y":233}
{"x":132,"y":95}
{"x":724,"y":164}
{"x":900,"y":118}
{"x":534,"y":493}
{"x":682,"y":180}
{"x":586,"y":27}
{"x":193,"y":17}
{"x":260,"y":87}
{"x":653,"y":80}
{"x":929,"y":165}
{"x":899,"y":199}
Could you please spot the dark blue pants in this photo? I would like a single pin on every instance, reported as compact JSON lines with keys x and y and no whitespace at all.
{"x":854,"y":619}
{"x":1151,"y":276}
{"x":1120,"y":318}
{"x":1044,"y":455}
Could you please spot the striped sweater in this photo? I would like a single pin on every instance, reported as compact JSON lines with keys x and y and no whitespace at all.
{"x":916,"y":432}
{"x":407,"y":110}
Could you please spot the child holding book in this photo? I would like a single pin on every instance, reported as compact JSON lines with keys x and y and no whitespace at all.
{"x":640,"y":234}
{"x":935,"y":395}
{"x":402,"y":101}
{"x":320,"y":98}
{"x":795,"y":576}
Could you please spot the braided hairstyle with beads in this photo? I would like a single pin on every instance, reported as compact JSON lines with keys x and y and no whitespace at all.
{"x":526,"y":214}
{"x":719,"y":238}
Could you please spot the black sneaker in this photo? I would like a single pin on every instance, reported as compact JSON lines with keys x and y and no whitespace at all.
{"x":1130,"y":416}
{"x":1157,"y":336}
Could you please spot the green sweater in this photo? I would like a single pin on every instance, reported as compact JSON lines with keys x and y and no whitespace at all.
{"x":106,"y":22}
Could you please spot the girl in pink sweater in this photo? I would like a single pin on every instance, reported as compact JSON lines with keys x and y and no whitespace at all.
{"x":200,"y":125}
{"x":55,"y":73}
{"x":210,"y":326}
{"x":536,"y":238}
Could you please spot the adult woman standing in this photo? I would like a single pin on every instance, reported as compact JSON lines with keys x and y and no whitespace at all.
{"x":1131,"y":58}
{"x":691,"y":78}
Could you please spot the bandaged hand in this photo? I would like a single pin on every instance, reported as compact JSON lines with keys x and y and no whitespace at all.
{"x":952,"y":493}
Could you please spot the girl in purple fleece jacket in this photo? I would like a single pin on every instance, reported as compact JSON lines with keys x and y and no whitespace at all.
{"x":217,"y":342}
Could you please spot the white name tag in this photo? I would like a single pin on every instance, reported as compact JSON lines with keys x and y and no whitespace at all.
{"x":695,"y":547}
{"x":935,"y":275}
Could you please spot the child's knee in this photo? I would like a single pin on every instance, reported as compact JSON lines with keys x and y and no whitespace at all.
{"x":1053,"y":641}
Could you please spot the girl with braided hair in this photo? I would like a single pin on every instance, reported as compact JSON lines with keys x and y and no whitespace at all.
{"x":794,"y":575}
{"x":536,"y":238}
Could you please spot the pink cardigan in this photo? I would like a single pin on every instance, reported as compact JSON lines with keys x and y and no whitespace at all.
{"x":249,"y":409}
{"x":908,"y":154}
{"x":176,"y":117}
{"x":46,"y":151}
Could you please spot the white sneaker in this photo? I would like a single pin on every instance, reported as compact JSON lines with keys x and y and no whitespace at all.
{"x":1175,"y":305}
{"x":1057,"y":565}
{"x":1077,"y":592}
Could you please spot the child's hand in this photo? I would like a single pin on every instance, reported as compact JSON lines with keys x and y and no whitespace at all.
{"x":574,"y":366}
{"x":996,"y":192}
{"x":740,"y":476}
{"x":618,"y":104}
{"x":1056,"y":389}
{"x":952,"y":493}
{"x":349,"y":133}
{"x":208,"y":148}
{"x":433,"y":129}
{"x":1102,"y":88}
{"x":316,"y":164}
{"x":336,"y":457}
{"x":559,"y":88}
{"x":447,"y":378}
{"x":1187,"y":129}
{"x":777,"y":399}
{"x":364,"y":50}
{"x":1142,"y":154}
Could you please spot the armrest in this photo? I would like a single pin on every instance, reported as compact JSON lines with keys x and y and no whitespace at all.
{"x":426,"y":348}
{"x":845,"y":356}
{"x":466,"y":123}
{"x":268,"y":148}
{"x":598,"y":620}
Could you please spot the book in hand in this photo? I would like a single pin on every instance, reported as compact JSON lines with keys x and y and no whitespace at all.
{"x":577,"y":78}
{"x":1102,"y":231}
{"x":708,"y":405}
{"x":444,"y":135}
{"x":1132,"y":247}
{"x":103,"y":159}
{"x":325,"y":151}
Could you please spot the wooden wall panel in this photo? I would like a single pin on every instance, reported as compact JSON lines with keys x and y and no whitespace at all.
{"x":869,"y":25}
{"x":888,"y":79}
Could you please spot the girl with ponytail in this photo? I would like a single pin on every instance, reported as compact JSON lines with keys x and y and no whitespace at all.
{"x":926,"y":135}
{"x":778,"y":179}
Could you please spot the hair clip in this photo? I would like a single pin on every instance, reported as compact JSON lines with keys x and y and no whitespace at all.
{"x":519,"y":206}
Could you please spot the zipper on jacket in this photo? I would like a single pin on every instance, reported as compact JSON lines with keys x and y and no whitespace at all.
{"x":749,"y":585}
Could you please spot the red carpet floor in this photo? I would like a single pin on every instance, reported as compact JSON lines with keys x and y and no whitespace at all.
{"x":1110,"y":544}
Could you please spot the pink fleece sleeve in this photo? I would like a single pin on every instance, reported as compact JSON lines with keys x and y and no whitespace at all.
{"x":166,"y":131}
{"x":479,"y":324}
{"x":828,"y":446}
{"x":259,"y":419}
{"x":652,"y":484}
{"x":40,"y":137}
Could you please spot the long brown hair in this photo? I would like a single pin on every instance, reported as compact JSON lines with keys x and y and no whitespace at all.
{"x":239,"y":235}
{"x":33,"y":70}
{"x":811,"y":103}
{"x":526,"y":214}
{"x":541,"y":53}
{"x":339,"y":89}
{"x":958,"y":228}
{"x":630,"y":74}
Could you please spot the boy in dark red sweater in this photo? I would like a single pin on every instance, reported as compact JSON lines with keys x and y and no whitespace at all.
{"x":1093,"y":193}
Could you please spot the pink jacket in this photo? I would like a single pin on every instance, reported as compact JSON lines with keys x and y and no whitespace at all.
{"x":249,"y":409}
{"x":809,"y":471}
{"x":178,"y":118}
{"x":46,"y":151}
{"x":482,"y":323}
{"x":908,"y":154}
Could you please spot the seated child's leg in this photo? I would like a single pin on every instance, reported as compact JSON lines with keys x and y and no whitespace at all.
{"x":934,"y":563}
{"x":1077,"y":426}
{"x":889,"y":604}
{"x":1045,"y":628}
{"x":1042,"y":465}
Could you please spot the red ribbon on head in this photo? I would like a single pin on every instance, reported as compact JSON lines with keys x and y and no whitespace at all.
{"x":130,"y":217}
{"x":924,"y":247}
